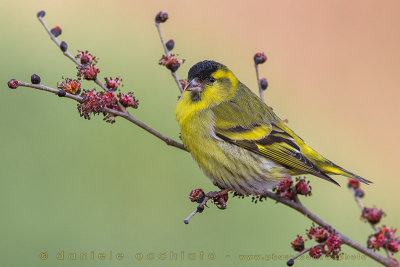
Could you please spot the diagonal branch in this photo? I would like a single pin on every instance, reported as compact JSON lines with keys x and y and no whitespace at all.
{"x":344,"y":239}
{"x":126,"y":115}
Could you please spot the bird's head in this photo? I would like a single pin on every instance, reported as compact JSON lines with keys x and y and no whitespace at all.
{"x":209,"y":83}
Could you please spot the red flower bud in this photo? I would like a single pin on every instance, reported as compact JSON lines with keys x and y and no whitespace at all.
{"x":128,"y":100}
{"x":319,"y":233}
{"x":70,"y":86}
{"x":161,"y":17}
{"x":284,"y":189}
{"x":298,"y":244}
{"x":56,"y":31}
{"x":88,"y":71}
{"x":113,"y":84}
{"x":353,"y":183}
{"x":259,"y":58}
{"x":303,"y":187}
{"x":373,"y":215}
{"x":12,"y":84}
{"x":316,"y":252}
{"x":197,"y":195}
{"x":86,"y":57}
{"x":171,"y":62}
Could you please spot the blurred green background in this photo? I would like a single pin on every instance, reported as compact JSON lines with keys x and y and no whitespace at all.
{"x":77,"y":186}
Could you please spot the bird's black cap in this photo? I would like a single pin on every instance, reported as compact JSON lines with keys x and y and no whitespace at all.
{"x":204,"y":69}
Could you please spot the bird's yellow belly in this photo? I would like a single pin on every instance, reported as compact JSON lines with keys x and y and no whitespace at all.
{"x":228,"y":165}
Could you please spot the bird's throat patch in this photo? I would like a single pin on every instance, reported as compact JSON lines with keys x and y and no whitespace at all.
{"x":195,"y":96}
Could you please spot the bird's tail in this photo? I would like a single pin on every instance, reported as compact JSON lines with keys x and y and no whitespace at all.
{"x":335,"y":169}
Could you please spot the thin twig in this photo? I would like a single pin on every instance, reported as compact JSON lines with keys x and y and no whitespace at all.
{"x":301,"y":253}
{"x":126,"y":115}
{"x":55,"y":40}
{"x":260,"y":90}
{"x":174,"y":74}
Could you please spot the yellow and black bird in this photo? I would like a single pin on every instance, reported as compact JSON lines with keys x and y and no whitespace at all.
{"x":237,"y":140}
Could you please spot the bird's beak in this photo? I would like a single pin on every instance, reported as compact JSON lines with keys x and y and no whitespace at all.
{"x":195,"y":86}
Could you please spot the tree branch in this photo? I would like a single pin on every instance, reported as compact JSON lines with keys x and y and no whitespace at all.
{"x":344,"y":239}
{"x":126,"y":115}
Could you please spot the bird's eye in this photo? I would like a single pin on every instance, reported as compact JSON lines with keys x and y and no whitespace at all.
{"x":212,"y":79}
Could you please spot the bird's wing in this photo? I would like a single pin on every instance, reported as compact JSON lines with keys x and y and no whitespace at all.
{"x":269,"y":138}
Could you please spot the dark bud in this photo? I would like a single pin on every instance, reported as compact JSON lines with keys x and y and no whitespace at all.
{"x":35,"y":79}
{"x":290,"y":262}
{"x":359,"y":192}
{"x":56,"y":31}
{"x":264,"y":83}
{"x":170,"y":45}
{"x":259,"y":58}
{"x":40,"y":14}
{"x":61,"y":93}
{"x":63,"y":46}
{"x":200,"y":208}
{"x":12,"y":84}
{"x":161,"y":17}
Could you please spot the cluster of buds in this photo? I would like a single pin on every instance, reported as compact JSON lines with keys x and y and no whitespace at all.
{"x":198,"y":196}
{"x":372,"y":215}
{"x":128,"y":100}
{"x":171,"y":62}
{"x":87,"y":68}
{"x":220,"y":201}
{"x":384,"y":237}
{"x":329,"y":243}
{"x":298,"y":243}
{"x":285,"y":188}
{"x":303,"y":187}
{"x":319,"y":234}
{"x":70,"y":86}
{"x":88,"y":71}
{"x":94,"y":102}
{"x":112,"y":84}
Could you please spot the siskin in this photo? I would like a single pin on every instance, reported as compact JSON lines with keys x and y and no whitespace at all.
{"x":237,"y":140}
